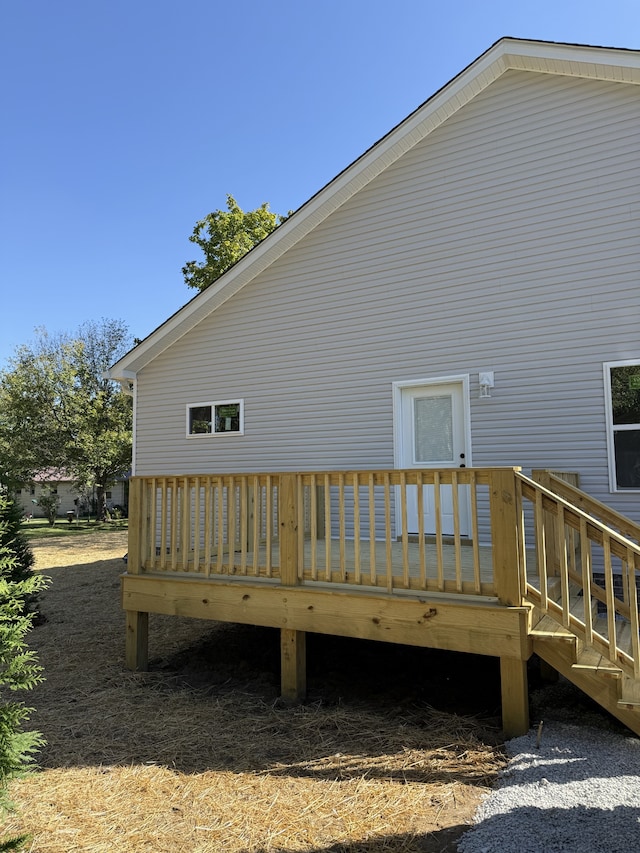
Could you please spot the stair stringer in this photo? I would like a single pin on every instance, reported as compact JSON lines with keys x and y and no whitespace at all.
{"x":603,"y":689}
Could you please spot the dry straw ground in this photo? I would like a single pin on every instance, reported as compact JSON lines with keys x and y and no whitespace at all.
{"x":199,"y":755}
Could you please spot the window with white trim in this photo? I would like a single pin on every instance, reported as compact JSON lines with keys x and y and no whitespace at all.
{"x":221,"y":417}
{"x":622,"y":385}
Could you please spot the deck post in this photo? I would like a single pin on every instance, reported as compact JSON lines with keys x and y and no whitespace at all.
{"x":515,"y":697}
{"x":505,"y":526}
{"x":293,"y":665}
{"x":293,"y":661}
{"x":135,"y":526}
{"x":137,"y":641}
{"x":137,"y":623}
{"x":288,"y":533}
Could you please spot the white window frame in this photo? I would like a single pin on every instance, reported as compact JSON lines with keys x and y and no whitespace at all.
{"x":235,"y":401}
{"x":608,"y":404}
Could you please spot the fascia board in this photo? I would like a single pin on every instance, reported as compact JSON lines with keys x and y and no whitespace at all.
{"x":614,"y":65}
{"x":576,"y":60}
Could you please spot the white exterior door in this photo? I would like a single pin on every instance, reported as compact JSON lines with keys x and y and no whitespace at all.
{"x":433,"y":434}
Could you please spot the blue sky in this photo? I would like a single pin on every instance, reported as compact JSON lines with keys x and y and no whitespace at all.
{"x":124,"y":122}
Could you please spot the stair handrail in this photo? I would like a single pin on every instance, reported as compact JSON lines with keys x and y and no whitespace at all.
{"x":570,"y":492}
{"x":614,"y":543}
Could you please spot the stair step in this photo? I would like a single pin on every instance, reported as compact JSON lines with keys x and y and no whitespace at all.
{"x":548,"y":629}
{"x":592,"y":661}
{"x":576,"y":598}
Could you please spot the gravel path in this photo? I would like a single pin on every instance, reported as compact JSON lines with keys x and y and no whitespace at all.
{"x":579,"y":792}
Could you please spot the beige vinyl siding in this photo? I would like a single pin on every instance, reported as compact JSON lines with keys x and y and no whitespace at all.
{"x":507,"y":240}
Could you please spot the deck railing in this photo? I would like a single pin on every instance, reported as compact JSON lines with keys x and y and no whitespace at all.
{"x":566,"y":485}
{"x":362,"y":528}
{"x":585,"y":574}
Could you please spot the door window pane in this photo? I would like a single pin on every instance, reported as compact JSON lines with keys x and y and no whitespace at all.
{"x":433,"y":429}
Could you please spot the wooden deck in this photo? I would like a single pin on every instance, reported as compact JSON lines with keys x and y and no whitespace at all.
{"x":330,"y":552}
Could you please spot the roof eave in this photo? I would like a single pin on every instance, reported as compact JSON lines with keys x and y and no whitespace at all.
{"x":603,"y":63}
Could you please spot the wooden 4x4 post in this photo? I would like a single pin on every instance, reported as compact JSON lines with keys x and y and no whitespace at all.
{"x":137,"y":624}
{"x":507,"y":571}
{"x":293,"y":665}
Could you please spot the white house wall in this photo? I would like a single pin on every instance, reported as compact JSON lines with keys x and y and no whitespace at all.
{"x":68,"y":494}
{"x":508,"y":240}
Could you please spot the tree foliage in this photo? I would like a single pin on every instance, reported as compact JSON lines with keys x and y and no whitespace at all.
{"x":49,"y":503}
{"x":12,"y":538}
{"x":19,"y":668}
{"x":224,"y":237}
{"x":57,"y":411}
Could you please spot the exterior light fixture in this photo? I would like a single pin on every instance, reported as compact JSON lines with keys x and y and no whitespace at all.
{"x":486,"y":383}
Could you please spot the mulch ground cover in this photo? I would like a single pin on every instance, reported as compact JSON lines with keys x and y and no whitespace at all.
{"x":392,"y":751}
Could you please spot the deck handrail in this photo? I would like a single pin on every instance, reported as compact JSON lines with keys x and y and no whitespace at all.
{"x":570,"y":492}
{"x":569,"y":544}
{"x":334,"y":527}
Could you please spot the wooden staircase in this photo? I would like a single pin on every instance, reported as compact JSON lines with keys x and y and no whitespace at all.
{"x":605,"y":682}
{"x":584,"y":587}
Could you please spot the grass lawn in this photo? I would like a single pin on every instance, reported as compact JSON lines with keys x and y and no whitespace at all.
{"x":39,"y":528}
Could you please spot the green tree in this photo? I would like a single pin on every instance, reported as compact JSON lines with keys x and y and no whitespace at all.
{"x":49,"y":503}
{"x":13,"y":539}
{"x":19,"y":668}
{"x":58,"y":411}
{"x":225,"y":236}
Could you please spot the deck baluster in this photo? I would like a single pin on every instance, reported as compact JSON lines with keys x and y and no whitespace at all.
{"x":387,"y":530}
{"x":356,"y":526}
{"x":372,"y":530}
{"x":610,"y":594}
{"x":327,"y":527}
{"x":475,"y":534}
{"x":437,"y":508}
{"x":342,"y":527}
{"x":405,"y":532}
{"x":422,"y":550}
{"x":313,"y":498}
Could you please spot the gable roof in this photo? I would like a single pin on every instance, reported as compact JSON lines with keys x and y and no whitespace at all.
{"x":596,"y":63}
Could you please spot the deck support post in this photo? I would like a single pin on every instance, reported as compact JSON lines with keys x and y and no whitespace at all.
{"x":293,"y":666}
{"x":515,"y":697}
{"x":137,"y":623}
{"x":137,"y":641}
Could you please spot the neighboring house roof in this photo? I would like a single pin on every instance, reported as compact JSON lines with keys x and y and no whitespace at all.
{"x":52,"y":475}
{"x":59,"y":475}
{"x":597,"y":63}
